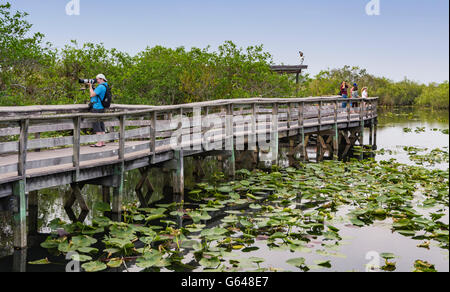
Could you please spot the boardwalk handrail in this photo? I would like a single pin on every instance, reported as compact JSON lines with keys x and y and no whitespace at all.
{"x":148,"y":131}
{"x":118,"y":109}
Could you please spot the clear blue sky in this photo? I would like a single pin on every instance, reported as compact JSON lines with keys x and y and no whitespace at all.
{"x":410,"y":38}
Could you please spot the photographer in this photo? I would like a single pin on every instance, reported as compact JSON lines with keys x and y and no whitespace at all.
{"x":97,"y":97}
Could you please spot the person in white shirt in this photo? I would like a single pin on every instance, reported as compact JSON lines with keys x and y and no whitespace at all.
{"x":364,"y":93}
{"x":302,"y":58}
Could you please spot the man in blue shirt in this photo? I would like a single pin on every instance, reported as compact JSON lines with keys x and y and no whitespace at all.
{"x":97,"y":96}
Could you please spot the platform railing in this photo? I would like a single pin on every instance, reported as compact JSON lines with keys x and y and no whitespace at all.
{"x":41,"y":139}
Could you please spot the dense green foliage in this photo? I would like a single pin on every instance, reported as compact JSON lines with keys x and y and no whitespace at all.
{"x":391,"y":93}
{"x":33,"y":72}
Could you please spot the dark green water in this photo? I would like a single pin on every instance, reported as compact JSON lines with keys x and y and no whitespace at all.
{"x":357,"y":244}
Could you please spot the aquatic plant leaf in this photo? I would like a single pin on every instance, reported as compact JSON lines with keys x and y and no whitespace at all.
{"x":211,"y":263}
{"x":325,"y":264}
{"x":387,"y":256}
{"x":96,"y":266}
{"x":81,"y":258}
{"x":155,"y":217}
{"x":115,"y":263}
{"x":297,"y":262}
{"x":423,"y":266}
{"x":83,"y":241}
{"x":40,"y":262}
{"x":149,"y":260}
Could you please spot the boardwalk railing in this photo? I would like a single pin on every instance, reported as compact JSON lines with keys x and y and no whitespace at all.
{"x":38,"y":141}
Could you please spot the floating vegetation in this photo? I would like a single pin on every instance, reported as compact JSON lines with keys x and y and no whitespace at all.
{"x":436,"y":156}
{"x":407,"y":130}
{"x":296,"y":210}
{"x":419,"y":130}
{"x":422,"y":266}
{"x":443,"y":131}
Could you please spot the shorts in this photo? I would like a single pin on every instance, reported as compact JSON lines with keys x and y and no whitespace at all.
{"x":98,"y":127}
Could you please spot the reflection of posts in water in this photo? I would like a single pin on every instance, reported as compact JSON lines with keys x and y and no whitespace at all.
{"x":20,"y":261}
{"x":176,"y":168}
{"x":33,"y":204}
{"x":144,"y":181}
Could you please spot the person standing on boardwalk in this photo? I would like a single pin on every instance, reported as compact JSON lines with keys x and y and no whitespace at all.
{"x":364,"y":93}
{"x":97,"y":96}
{"x":354,"y":94}
{"x":344,"y":92}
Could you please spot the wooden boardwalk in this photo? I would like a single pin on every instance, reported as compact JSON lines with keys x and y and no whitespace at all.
{"x":43,"y":147}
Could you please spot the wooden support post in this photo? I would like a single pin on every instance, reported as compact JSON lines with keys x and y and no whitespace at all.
{"x":375,"y":131}
{"x":305,"y":141}
{"x":371,"y":134}
{"x":336,"y":132}
{"x":178,"y":176}
{"x":106,"y":194}
{"x":33,"y":205}
{"x":19,"y":191}
{"x":274,"y":135}
{"x":318,"y":148}
{"x":336,"y":143}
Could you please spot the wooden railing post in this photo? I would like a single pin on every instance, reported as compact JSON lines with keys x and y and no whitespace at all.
{"x":229,"y":142}
{"x":23,"y":143}
{"x":320,"y":115}
{"x":254,"y":135}
{"x":289,"y":118}
{"x":153,"y":136}
{"x":76,"y":147}
{"x":19,"y":191}
{"x":302,"y":127}
{"x":274,"y":134}
{"x":122,"y":120}
{"x":348,"y":110}
{"x":196,"y":137}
